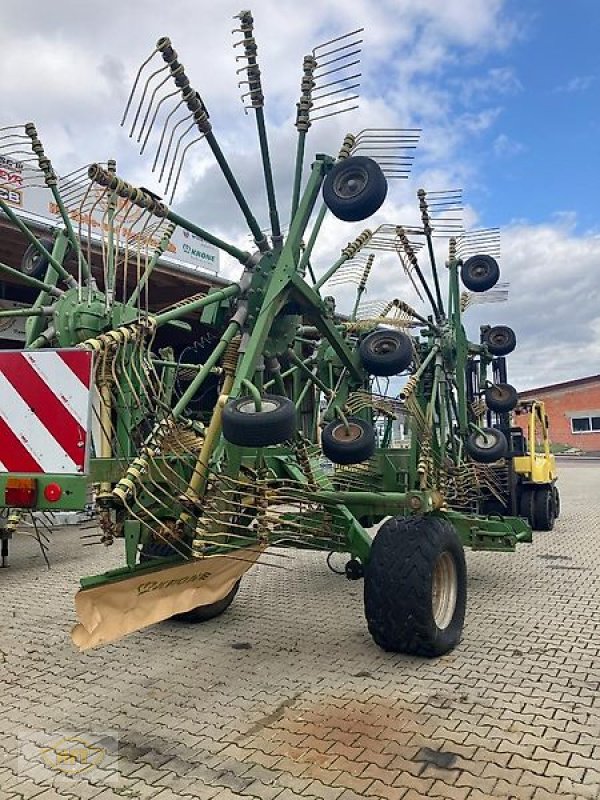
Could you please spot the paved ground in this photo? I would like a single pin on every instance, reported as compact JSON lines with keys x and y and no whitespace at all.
{"x":286,"y":696}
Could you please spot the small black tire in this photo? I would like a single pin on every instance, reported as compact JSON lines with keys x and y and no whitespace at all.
{"x":556,"y":494}
{"x":415,"y":590}
{"x":33,"y":263}
{"x":209,"y":611}
{"x":543,"y":508}
{"x":500,"y":340}
{"x":275,"y":423}
{"x":525,"y":504}
{"x":386,"y":352}
{"x":488,"y":446}
{"x":492,"y":507}
{"x":348,"y":446}
{"x":154,"y":549}
{"x":480,"y":273}
{"x":501,"y":397}
{"x":354,"y":188}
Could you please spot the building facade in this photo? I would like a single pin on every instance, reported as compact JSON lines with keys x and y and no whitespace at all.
{"x":573,"y":409}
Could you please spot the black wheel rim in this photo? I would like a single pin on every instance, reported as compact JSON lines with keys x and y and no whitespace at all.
{"x":485,"y":441}
{"x":385,"y":345}
{"x":499,"y":395}
{"x":249,"y":406}
{"x":343,"y":435}
{"x":499,"y":339}
{"x":350,"y":182}
{"x":479,"y":270}
{"x":31,"y":262}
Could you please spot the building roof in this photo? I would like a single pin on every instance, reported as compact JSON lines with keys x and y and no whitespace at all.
{"x":564,"y":385}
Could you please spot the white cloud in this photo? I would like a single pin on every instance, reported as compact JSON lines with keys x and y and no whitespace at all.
{"x":554,"y":301}
{"x":580,"y":83}
{"x":505,"y":147}
{"x":70,"y":72}
{"x":496,"y":81}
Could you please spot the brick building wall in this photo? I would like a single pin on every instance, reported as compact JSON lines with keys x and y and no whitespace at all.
{"x":573,"y":410}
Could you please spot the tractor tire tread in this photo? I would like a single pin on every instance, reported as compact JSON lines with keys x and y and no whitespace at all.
{"x":398,"y":586}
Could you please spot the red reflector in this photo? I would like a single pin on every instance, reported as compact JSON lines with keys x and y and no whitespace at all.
{"x":53,"y":492}
{"x":20,"y":492}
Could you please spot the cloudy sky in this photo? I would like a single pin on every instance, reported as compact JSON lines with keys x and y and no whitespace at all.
{"x":505,"y":93}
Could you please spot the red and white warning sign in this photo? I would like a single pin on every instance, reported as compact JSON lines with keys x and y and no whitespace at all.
{"x":45,"y":410}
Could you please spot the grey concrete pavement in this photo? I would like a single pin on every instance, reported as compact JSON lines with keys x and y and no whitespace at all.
{"x":286,"y":696}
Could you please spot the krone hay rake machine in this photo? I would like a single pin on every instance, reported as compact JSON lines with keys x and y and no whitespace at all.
{"x":280,"y":435}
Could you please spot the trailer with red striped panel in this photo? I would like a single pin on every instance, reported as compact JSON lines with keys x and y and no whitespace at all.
{"x":45,"y":412}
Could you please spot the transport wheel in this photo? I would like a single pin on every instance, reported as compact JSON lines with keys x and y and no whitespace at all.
{"x":526,"y":496}
{"x":488,"y":446}
{"x":556,"y":501}
{"x":415,"y":589}
{"x":492,"y":506}
{"x":354,"y":188}
{"x":33,"y":262}
{"x":501,"y":397}
{"x":543,"y":508}
{"x":154,"y":549}
{"x":385,"y":353}
{"x":245,"y":426}
{"x":500,"y":340}
{"x":210,"y":611}
{"x":349,"y":445}
{"x":480,"y":273}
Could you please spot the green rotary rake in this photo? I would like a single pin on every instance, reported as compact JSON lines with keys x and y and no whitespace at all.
{"x":282,"y":430}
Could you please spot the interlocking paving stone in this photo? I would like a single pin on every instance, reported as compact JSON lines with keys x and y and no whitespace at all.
{"x":312,"y":708}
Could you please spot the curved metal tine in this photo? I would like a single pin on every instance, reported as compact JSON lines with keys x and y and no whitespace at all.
{"x":15,"y":137}
{"x":189,"y":128}
{"x":71,"y":189}
{"x":441,"y":199}
{"x":409,"y":275}
{"x":336,"y":59}
{"x":135,"y":83}
{"x":74,"y":193}
{"x":411,"y":132}
{"x":79,"y":169}
{"x":340,"y":80}
{"x":143,"y":97}
{"x":73,"y":184}
{"x":441,"y":192}
{"x":333,"y":113}
{"x":394,"y":161}
{"x":446,"y":206}
{"x":481,"y":233}
{"x":90,"y":214}
{"x":337,"y":69}
{"x":343,"y":47}
{"x":183,"y":155}
{"x":444,"y":212}
{"x":28,"y":159}
{"x":336,"y":91}
{"x":164,"y":131}
{"x":81,"y":217}
{"x":18,"y":126}
{"x":75,"y":178}
{"x":154,"y":116}
{"x":390,"y":147}
{"x":123,"y":235}
{"x":149,"y":109}
{"x":483,"y":239}
{"x":384,"y":144}
{"x":336,"y":39}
